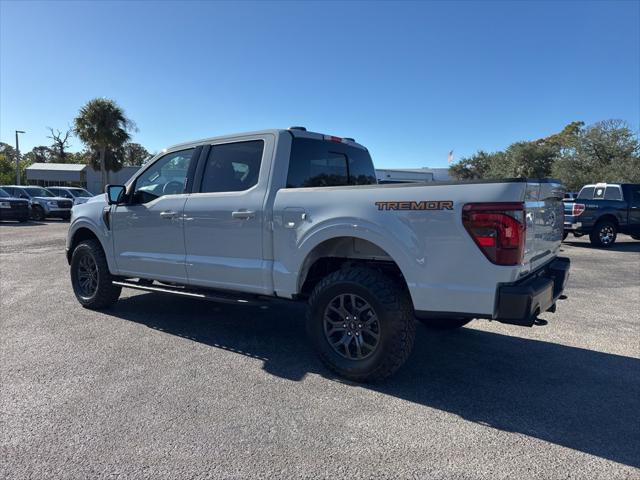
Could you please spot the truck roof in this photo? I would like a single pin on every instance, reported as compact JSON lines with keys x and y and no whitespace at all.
{"x":294,"y":131}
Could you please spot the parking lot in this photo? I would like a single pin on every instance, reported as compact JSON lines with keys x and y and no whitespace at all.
{"x":164,"y":387}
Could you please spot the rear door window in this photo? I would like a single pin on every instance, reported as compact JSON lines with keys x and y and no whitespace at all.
{"x":232,"y":167}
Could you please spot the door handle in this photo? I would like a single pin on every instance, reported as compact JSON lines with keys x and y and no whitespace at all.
{"x":168,"y":214}
{"x":243,"y":214}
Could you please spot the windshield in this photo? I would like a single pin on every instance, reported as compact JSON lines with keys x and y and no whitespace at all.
{"x":4,"y":194}
{"x":80,"y":192}
{"x":38,"y":192}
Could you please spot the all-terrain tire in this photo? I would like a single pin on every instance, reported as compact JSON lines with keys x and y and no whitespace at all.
{"x":391,"y":306}
{"x":444,"y":323}
{"x":604,"y":234}
{"x":104,"y":294}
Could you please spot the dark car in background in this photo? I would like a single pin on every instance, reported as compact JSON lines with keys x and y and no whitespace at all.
{"x":12,"y":208}
{"x":603,"y":210}
{"x":43,"y":204}
{"x":76,"y":194}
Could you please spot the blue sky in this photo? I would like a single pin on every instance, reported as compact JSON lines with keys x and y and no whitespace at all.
{"x":409,"y":80}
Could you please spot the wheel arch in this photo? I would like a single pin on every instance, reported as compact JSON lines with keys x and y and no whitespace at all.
{"x":610,"y":217}
{"x":337,"y":252}
{"x":81,"y":234}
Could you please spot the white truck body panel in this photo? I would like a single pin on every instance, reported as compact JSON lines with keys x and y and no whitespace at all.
{"x":444,"y":269}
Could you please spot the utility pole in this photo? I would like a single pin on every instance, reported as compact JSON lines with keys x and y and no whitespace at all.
{"x":18,"y":158}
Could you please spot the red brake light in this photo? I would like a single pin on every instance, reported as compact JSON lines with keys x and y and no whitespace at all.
{"x":498,"y":229}
{"x":577,"y":209}
{"x":331,"y":138}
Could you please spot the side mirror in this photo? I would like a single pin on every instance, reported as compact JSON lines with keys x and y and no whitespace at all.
{"x":115,"y":194}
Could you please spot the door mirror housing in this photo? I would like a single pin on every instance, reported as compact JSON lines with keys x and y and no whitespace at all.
{"x":115,"y":194}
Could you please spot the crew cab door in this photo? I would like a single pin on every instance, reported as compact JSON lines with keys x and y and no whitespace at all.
{"x":224,"y":220}
{"x":148,"y":236}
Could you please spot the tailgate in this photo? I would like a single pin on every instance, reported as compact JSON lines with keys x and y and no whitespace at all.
{"x":545,"y":222}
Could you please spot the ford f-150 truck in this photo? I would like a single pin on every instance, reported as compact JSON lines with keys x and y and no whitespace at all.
{"x":299,"y":215}
{"x":602,"y":210}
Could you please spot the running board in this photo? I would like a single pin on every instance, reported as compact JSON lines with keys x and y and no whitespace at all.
{"x":220,"y":297}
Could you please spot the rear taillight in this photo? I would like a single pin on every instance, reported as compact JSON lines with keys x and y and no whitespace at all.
{"x":498,"y":229}
{"x":577,"y":209}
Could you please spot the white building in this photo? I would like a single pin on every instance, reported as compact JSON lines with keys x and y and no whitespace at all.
{"x":74,"y":174}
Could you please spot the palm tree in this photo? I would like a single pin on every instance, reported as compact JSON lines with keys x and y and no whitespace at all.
{"x":102,"y":125}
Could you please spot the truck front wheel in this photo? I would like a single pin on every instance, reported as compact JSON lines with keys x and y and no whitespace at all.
{"x":90,"y":277}
{"x":37,"y":213}
{"x":603,"y":234}
{"x":361,"y":324}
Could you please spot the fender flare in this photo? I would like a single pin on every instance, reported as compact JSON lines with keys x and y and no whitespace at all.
{"x":99,"y":231}
{"x":404,"y":252}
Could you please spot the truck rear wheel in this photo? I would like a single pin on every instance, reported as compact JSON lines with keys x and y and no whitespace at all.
{"x":361,"y":324}
{"x":444,"y":323}
{"x":90,"y":277}
{"x":604,"y":234}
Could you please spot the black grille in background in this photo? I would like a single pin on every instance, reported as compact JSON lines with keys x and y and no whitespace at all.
{"x":20,"y":206}
{"x":65,"y":203}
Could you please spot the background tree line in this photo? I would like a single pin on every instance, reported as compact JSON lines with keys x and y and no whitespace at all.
{"x":104,"y":130}
{"x":607,"y":151}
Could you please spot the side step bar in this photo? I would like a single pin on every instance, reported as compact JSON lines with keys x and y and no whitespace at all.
{"x":221,"y":297}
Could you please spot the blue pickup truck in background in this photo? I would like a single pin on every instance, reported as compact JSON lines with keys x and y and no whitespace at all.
{"x":603,"y":210}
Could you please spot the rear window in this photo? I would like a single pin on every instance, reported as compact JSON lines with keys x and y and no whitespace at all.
{"x":612,"y":193}
{"x":586,"y":193}
{"x":319,"y":163}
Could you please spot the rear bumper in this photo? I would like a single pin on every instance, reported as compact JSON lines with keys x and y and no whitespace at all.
{"x":572,"y":226}
{"x":522,"y":302}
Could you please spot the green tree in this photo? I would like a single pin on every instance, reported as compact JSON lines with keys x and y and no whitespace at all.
{"x":529,"y":159}
{"x":478,"y":165}
{"x":607,"y":151}
{"x":8,"y":164}
{"x":104,"y":128}
{"x":39,"y":154}
{"x":134,"y":154}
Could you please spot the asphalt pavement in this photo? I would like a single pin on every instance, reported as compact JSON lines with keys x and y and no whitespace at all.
{"x":165,"y":387}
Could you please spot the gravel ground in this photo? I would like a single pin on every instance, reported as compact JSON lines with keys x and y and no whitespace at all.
{"x":164,"y":387}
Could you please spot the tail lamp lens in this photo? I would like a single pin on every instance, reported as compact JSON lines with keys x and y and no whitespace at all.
{"x":498,"y":229}
{"x":577,"y":209}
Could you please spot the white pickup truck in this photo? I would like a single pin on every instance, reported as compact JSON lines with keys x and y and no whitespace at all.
{"x":298,"y":215}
